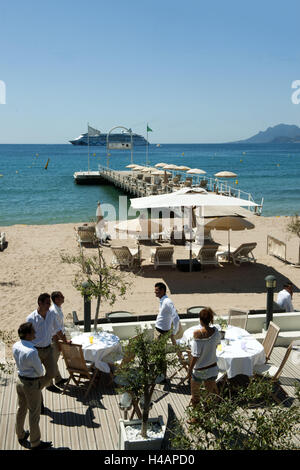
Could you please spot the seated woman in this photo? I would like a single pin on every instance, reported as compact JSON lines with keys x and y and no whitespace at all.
{"x":203,"y":366}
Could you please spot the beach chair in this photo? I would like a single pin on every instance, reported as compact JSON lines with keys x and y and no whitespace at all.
{"x":78,"y":368}
{"x":238,"y":318}
{"x":207,"y":255}
{"x":270,"y":339}
{"x":242,"y":254}
{"x":124,"y":256}
{"x":3,"y":242}
{"x":162,"y":256}
{"x":86,"y":234}
{"x":271,"y":370}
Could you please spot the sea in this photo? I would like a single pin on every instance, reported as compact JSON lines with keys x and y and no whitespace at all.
{"x":34,"y":193}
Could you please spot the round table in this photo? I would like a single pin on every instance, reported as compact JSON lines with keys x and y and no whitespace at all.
{"x":239,"y":356}
{"x":106,"y":348}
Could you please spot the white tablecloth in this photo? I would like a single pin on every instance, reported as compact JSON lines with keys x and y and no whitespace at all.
{"x":240,"y":356}
{"x":106,"y":348}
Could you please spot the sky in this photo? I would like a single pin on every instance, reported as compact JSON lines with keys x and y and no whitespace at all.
{"x":195,"y":71}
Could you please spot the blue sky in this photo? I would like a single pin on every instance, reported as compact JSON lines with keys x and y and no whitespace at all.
{"x":197,"y":72}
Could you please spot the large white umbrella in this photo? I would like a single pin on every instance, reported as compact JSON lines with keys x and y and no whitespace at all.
{"x":226,"y":174}
{"x":160,"y":164}
{"x":170,"y":167}
{"x":183,"y":168}
{"x":196,"y":171}
{"x":188,"y":197}
{"x":228,"y":224}
{"x":138,"y":226}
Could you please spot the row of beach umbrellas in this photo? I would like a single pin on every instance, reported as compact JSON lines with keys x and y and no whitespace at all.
{"x":165,"y":166}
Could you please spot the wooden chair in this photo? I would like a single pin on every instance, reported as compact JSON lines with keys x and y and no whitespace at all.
{"x":271,"y":370}
{"x":124,"y":256}
{"x":207,"y":255}
{"x":78,"y":368}
{"x":242,"y":254}
{"x":237,"y":317}
{"x":162,"y":256}
{"x":86,"y":234}
{"x":270,"y":339}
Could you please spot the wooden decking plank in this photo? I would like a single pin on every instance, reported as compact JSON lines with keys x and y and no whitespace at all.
{"x":9,"y":415}
{"x":72,"y":422}
{"x":11,"y":432}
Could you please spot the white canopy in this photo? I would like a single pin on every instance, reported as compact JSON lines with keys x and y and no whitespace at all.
{"x":188,"y":197}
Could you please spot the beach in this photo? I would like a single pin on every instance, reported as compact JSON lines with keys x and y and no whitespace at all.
{"x":31,"y":264}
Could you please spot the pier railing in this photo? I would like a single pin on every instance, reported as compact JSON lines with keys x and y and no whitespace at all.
{"x":143,"y":184}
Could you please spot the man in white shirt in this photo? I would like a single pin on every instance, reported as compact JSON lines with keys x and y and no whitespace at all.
{"x":167,"y":318}
{"x":167,"y":315}
{"x":57,"y":301}
{"x":45,"y":324}
{"x":284,"y":297}
{"x":30,"y":372}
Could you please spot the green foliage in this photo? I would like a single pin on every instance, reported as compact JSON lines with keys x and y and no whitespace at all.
{"x":147,"y":362}
{"x":294,"y":225}
{"x":95,"y":278}
{"x":247,"y":419}
{"x":222,"y":322}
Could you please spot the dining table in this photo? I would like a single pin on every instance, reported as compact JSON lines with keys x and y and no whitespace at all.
{"x":238,"y":353}
{"x":100,"y":348}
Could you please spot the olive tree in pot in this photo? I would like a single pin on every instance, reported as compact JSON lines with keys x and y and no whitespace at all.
{"x":97,"y":279}
{"x":144,"y":368}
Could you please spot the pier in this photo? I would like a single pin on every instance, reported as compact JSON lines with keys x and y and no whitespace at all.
{"x":150,"y":181}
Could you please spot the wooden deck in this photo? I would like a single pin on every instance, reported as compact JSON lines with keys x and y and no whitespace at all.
{"x":71,"y":422}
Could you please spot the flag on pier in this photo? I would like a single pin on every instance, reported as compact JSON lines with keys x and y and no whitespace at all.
{"x":149,"y":129}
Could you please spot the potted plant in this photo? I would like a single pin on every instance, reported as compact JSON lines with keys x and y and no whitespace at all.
{"x":139,"y":375}
{"x":97,"y":279}
{"x":223,"y":324}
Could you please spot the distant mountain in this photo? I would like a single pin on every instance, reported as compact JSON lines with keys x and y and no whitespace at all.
{"x":282,"y":133}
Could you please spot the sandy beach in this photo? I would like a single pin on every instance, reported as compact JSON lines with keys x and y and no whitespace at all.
{"x":31,"y":264}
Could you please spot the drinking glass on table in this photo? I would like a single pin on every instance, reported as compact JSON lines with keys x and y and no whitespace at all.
{"x":91,"y":338}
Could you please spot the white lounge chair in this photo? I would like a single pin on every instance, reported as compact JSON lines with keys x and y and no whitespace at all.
{"x":207,"y":255}
{"x":2,"y":241}
{"x":162,"y":256}
{"x":124,"y":256}
{"x":242,"y":254}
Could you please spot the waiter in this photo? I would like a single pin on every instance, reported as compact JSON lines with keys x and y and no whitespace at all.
{"x":57,"y":300}
{"x":45,"y":324}
{"x":167,"y":318}
{"x":30,"y":373}
{"x":167,"y":315}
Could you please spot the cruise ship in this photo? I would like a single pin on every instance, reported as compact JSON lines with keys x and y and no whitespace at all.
{"x":99,"y":138}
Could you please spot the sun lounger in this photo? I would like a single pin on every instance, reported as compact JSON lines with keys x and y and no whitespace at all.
{"x":124,"y":256}
{"x":162,"y":256}
{"x":242,"y":254}
{"x":207,"y":255}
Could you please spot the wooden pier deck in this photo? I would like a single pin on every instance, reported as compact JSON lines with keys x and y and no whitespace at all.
{"x":146,"y":184}
{"x":71,"y":422}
